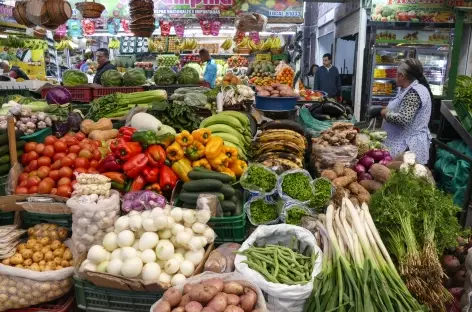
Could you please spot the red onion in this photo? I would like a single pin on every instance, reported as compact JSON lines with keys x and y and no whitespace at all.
{"x":376,"y":154}
{"x":364,"y":176}
{"x":359,"y":168}
{"x":366,"y":161}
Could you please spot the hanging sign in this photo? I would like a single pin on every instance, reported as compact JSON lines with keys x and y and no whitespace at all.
{"x":414,"y":11}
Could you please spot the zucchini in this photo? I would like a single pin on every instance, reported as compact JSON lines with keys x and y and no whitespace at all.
{"x":192,"y":197}
{"x":201,"y":173}
{"x":4,"y":159}
{"x":203,"y":185}
{"x":228,"y":206}
{"x":4,"y":149}
{"x":4,"y":137}
{"x":227,"y":190}
{"x":4,"y":169}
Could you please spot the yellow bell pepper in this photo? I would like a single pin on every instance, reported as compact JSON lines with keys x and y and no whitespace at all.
{"x":195,"y":151}
{"x":175,"y":152}
{"x":229,"y":172}
{"x":219,"y":162}
{"x":232,"y":153}
{"x":184,"y":138}
{"x":182,"y":168}
{"x":214,"y":147}
{"x":202,"y":163}
{"x":202,"y":135}
{"x":238,"y":167}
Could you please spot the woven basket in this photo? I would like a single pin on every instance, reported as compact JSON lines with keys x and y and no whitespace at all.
{"x":90,"y":9}
{"x":21,"y":10}
{"x":59,"y":12}
{"x":36,"y":12}
{"x":142,"y":32}
{"x":17,"y":16}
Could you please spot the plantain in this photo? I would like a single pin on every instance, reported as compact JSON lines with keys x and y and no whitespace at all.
{"x":280,"y":146}
{"x":283,"y":124}
{"x":293,"y":158}
{"x":282,"y":135}
{"x":280,"y":162}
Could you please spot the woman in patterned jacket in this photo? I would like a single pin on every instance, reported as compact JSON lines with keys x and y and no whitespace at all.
{"x":407,"y":116}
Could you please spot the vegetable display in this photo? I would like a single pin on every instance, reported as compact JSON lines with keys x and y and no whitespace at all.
{"x":188,"y":75}
{"x":295,"y":215}
{"x":179,"y":117}
{"x":280,"y":264}
{"x":73,"y":78}
{"x":112,"y":78}
{"x":25,"y":120}
{"x":322,"y":191}
{"x":296,"y":185}
{"x":276,"y":90}
{"x":259,"y":179}
{"x":58,"y":95}
{"x":134,"y":77}
{"x":341,"y":133}
{"x":164,"y":76}
{"x":262,"y":212}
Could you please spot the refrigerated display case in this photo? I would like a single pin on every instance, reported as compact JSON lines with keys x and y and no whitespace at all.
{"x":435,"y":68}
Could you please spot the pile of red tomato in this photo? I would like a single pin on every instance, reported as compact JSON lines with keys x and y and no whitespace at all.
{"x":49,"y":168}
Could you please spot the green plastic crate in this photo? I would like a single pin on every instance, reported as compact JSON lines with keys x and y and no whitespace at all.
{"x":92,"y":298}
{"x":38,"y":136}
{"x":31,"y":219}
{"x":3,"y":185}
{"x":7,"y":218}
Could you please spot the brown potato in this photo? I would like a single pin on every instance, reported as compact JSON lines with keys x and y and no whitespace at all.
{"x":19,"y":266}
{"x":215,"y":282}
{"x":58,"y":260}
{"x":16,"y":259}
{"x":218,"y":303}
{"x":178,"y":309}
{"x":28,"y":262}
{"x":64,"y":263}
{"x":37,"y":247}
{"x":232,"y":308}
{"x":202,"y":293}
{"x":233,"y":288}
{"x":193,"y":306}
{"x":45,"y":249}
{"x":248,"y":300}
{"x":162,"y":306}
{"x":59,"y":267}
{"x":232,"y":299}
{"x":30,"y":243}
{"x":35,"y":267}
{"x":67,"y":255}
{"x":44,"y":241}
{"x":6,"y":261}
{"x":58,"y":252}
{"x":56,"y":244}
{"x":173,"y":296}
{"x":185,"y":299}
{"x":48,"y":256}
{"x":21,"y":246}
{"x":63,"y":233}
{"x":51,"y":264}
{"x":42,"y":262}
{"x":38,"y":256}
{"x":26,"y":253}
{"x":187,"y":288}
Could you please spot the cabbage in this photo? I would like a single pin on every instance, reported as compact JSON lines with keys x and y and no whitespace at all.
{"x":111,"y":78}
{"x":73,"y":78}
{"x":134,"y":77}
{"x":188,"y":75}
{"x":164,"y":76}
{"x":58,"y":95}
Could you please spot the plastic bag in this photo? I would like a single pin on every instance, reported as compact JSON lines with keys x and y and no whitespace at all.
{"x":255,"y":189}
{"x":288,"y":218}
{"x":317,"y":126}
{"x":142,"y":200}
{"x":12,"y":181}
{"x":195,"y":99}
{"x":211,"y":203}
{"x":221,"y":260}
{"x":277,"y":206}
{"x":91,"y":220}
{"x":280,"y":297}
{"x":324,"y":157}
{"x":280,"y":182}
{"x":320,"y":197}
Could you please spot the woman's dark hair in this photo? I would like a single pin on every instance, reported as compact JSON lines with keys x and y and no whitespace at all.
{"x":311,"y":72}
{"x":412,"y":69}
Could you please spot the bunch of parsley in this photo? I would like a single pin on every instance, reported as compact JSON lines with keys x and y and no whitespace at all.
{"x":178,"y":116}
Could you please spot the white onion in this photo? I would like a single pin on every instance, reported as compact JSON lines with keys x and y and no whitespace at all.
{"x":135,"y":222}
{"x":132,"y":267}
{"x":151,"y":272}
{"x":164,"y":278}
{"x":165,"y":234}
{"x":121,"y":224}
{"x":110,"y":241}
{"x":148,"y":240}
{"x":189,"y":216}
{"x":125,"y":238}
{"x":127,"y":253}
{"x":148,"y":256}
{"x":149,"y":226}
{"x":187,"y":268}
{"x":177,"y":214}
{"x":177,"y":229}
{"x":178,"y":279}
{"x":172,"y":266}
{"x":160,"y":222}
{"x":97,"y":254}
{"x":114,"y":266}
{"x":198,"y":227}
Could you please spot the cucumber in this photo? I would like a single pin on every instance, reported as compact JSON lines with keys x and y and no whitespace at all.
{"x":203,"y":185}
{"x":192,"y":197}
{"x":228,"y":206}
{"x":234,"y":199}
{"x":5,"y":159}
{"x":227,"y":190}
{"x":188,"y":206}
{"x":4,"y":137}
{"x":201,"y":173}
{"x":20,"y":145}
{"x":4,"y":169}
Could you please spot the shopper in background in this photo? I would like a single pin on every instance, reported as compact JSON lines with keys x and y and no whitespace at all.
{"x":104,"y":64}
{"x":406,"y":117}
{"x":310,"y":77}
{"x":209,"y":76}
{"x":14,"y":72}
{"x":327,"y":78}
{"x":88,"y":55}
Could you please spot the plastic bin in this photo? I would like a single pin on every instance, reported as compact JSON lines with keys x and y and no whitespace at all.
{"x":275,"y":103}
{"x":38,"y":136}
{"x":92,"y":298}
{"x":32,"y":218}
{"x":99,"y":92}
{"x":64,"y":304}
{"x":7,"y":218}
{"x":79,"y":94}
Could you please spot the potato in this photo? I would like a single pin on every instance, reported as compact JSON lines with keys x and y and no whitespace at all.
{"x":55,"y":245}
{"x":42,"y":262}
{"x":232,"y":308}
{"x":173,"y":296}
{"x":185,"y":299}
{"x":232,"y":299}
{"x":233,"y":288}
{"x":16,"y":259}
{"x":45,"y":249}
{"x":58,"y":252}
{"x":19,"y":266}
{"x":207,"y":309}
{"x":26,"y":253}
{"x":64,"y":263}
{"x":215,"y":282}
{"x":30,"y":243}
{"x":48,"y":256}
{"x":28,"y":262}
{"x":67,"y":255}
{"x":162,"y":306}
{"x":248,"y":300}
{"x":35,"y":267}
{"x":38,"y":256}
{"x":44,"y":241}
{"x":37,"y":247}
{"x":202,"y":293}
{"x":193,"y":306}
{"x":187,"y":288}
{"x":6,"y":261}
{"x":58,"y":260}
{"x":20,"y":247}
{"x":218,"y":303}
{"x":178,"y":309}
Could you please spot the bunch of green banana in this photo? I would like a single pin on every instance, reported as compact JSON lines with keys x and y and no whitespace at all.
{"x":280,"y":148}
{"x":66,"y":44}
{"x":234,"y":128}
{"x":114,"y":43}
{"x":227,"y":44}
{"x":189,"y":44}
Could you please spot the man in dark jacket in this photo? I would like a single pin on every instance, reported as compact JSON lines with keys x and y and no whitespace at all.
{"x":104,"y":64}
{"x":327,"y":78}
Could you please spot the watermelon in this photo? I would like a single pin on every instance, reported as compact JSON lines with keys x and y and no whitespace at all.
{"x":188,"y":75}
{"x":134,"y":77}
{"x":164,"y":76}
{"x":111,"y":78}
{"x":73,"y":78}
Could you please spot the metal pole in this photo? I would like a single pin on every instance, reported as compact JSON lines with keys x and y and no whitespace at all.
{"x":309,"y":35}
{"x":456,"y":51}
{"x":361,"y":40}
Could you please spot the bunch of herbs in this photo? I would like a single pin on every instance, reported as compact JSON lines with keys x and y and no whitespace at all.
{"x":178,"y":116}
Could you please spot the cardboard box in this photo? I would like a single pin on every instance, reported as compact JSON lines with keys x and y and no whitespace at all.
{"x":37,"y":203}
{"x":129,"y":284}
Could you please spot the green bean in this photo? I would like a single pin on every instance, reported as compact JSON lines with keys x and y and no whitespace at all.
{"x":261,"y":270}
{"x":276,"y":262}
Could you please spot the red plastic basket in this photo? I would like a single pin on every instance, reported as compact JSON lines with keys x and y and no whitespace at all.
{"x":99,"y":92}
{"x":64,"y":304}
{"x":79,"y":94}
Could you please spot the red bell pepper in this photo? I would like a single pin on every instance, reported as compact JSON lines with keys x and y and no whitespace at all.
{"x":155,"y":187}
{"x":137,"y":184}
{"x":109,"y":164}
{"x":167,"y":179}
{"x":125,"y":150}
{"x":156,"y":155}
{"x":135,"y":165}
{"x":126,"y":133}
{"x":150,"y":174}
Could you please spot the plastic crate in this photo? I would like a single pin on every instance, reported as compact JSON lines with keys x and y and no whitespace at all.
{"x":64,"y":304}
{"x":99,"y":92}
{"x":465,"y":116}
{"x":3,"y":184}
{"x":7,"y":218}
{"x":32,"y":218}
{"x":263,"y":57}
{"x":92,"y":298}
{"x":170,"y":89}
{"x":275,"y":103}
{"x":38,"y":136}
{"x":22,"y":92}
{"x":279,"y":57}
{"x":79,"y":94}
